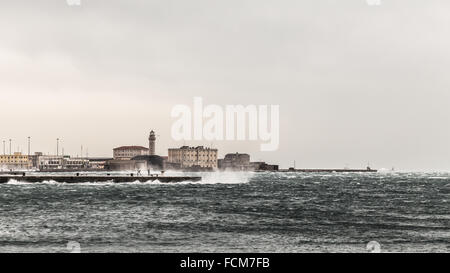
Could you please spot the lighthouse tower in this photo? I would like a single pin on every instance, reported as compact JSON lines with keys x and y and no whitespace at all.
{"x":151,"y":143}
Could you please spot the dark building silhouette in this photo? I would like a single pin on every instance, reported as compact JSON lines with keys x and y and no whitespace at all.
{"x":154,"y":162}
{"x":241,"y":162}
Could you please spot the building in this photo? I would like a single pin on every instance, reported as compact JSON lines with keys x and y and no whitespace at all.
{"x":154,"y":162}
{"x":35,"y":160}
{"x":193,"y":157}
{"x":54,"y":162}
{"x":263,"y":166}
{"x":17,"y":161}
{"x":241,"y":162}
{"x":126,"y":165}
{"x":235,"y":161}
{"x":50,"y":162}
{"x":128,"y":152}
{"x":152,"y":143}
{"x":169,"y":165}
{"x":75,"y":163}
{"x":98,"y":162}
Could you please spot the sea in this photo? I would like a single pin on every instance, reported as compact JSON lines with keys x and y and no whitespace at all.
{"x":232,"y":212}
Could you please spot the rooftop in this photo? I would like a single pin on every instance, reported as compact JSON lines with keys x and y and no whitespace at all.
{"x":131,"y":148}
{"x":193,"y":148}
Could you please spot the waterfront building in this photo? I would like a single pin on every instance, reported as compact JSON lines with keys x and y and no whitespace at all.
{"x":241,"y":162}
{"x":154,"y":162}
{"x":235,"y":161}
{"x":263,"y":166}
{"x":54,"y":162}
{"x":16,"y":161}
{"x":98,"y":162}
{"x":128,"y":152}
{"x":35,"y":159}
{"x":50,"y":162}
{"x":75,"y":163}
{"x":126,"y":165}
{"x":193,"y":157}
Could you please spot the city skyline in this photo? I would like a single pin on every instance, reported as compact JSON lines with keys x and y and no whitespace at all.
{"x":353,"y":81}
{"x":265,"y":129}
{"x":59,"y":149}
{"x":131,"y":158}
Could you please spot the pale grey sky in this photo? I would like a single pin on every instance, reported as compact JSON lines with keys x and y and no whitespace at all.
{"x":355,"y":83}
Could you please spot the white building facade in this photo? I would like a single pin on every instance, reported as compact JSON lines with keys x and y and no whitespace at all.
{"x":128,"y":152}
{"x":199,"y":156}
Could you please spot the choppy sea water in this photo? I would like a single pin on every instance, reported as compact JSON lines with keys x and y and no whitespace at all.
{"x":231,"y":212}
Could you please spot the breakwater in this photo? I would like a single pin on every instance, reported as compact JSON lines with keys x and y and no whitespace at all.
{"x":98,"y":178}
{"x":330,"y":170}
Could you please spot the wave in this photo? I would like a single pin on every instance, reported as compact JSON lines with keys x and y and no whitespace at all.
{"x":18,"y":182}
{"x":208,"y":178}
{"x":21,"y":182}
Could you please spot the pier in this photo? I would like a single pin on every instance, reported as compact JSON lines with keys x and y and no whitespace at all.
{"x":368,"y":170}
{"x":73,"y":179}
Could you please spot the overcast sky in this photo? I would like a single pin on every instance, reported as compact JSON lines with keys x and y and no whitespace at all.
{"x":355,"y":83}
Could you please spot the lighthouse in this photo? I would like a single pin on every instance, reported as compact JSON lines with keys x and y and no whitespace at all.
{"x":151,"y":143}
